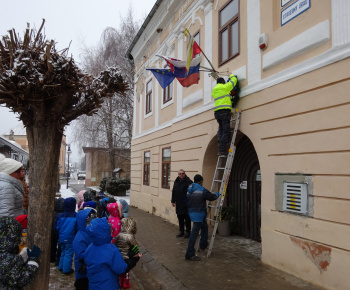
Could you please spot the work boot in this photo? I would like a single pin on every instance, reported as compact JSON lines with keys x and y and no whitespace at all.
{"x":194,"y":258}
{"x":180,"y":234}
{"x":186,"y":235}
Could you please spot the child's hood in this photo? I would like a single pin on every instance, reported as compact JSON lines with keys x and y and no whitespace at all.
{"x":81,"y":219}
{"x":59,"y":204}
{"x":129,"y":226}
{"x":81,"y":195}
{"x":69,"y":204}
{"x":115,"y":209}
{"x":99,"y":231}
{"x":104,"y":202}
{"x":10,"y":235}
{"x":125,"y":205}
{"x":89,"y":195}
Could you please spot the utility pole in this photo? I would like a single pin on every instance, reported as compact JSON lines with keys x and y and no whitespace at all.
{"x":68,"y":173}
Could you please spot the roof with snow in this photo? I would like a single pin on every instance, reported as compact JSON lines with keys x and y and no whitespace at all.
{"x":13,"y":145}
{"x":18,"y":130}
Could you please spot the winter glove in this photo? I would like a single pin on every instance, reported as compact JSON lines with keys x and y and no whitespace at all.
{"x":217,"y":194}
{"x":133,"y":250}
{"x":131,"y":263}
{"x":233,"y":78}
{"x":34,"y":253}
{"x":82,"y":268}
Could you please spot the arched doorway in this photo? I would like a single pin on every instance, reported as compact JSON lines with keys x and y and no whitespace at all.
{"x":244,"y":190}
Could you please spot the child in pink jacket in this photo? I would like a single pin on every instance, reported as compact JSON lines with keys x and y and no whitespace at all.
{"x":116,"y":211}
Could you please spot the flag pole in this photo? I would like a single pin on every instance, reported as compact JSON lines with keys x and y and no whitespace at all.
{"x":213,"y":69}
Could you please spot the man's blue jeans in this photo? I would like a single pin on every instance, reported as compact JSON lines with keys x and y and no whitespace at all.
{"x":203,"y":243}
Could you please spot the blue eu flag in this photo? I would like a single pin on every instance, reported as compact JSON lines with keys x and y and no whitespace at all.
{"x":163,"y":76}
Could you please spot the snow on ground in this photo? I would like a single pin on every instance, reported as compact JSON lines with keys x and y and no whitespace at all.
{"x":65,"y":193}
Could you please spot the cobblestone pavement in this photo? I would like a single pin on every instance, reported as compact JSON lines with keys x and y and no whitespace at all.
{"x":234,"y":263}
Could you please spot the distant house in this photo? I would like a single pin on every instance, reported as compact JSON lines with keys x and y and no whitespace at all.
{"x":13,"y":150}
{"x":18,"y":135}
{"x":98,"y":164}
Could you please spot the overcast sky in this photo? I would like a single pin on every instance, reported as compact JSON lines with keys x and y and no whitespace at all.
{"x":79,"y":21}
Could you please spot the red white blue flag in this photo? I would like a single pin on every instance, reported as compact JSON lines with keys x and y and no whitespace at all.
{"x":177,"y":69}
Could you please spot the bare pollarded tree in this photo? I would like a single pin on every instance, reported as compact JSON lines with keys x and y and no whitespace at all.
{"x":47,"y":90}
{"x":111,"y":127}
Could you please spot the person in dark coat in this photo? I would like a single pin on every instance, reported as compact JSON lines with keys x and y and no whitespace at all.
{"x":16,"y":270}
{"x":181,"y":184}
{"x":89,"y":195}
{"x":98,"y":199}
{"x":55,"y":250}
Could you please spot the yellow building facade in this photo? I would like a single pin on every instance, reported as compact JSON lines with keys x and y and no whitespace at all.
{"x":294,"y":130}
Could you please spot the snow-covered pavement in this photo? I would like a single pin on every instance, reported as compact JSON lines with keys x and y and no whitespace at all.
{"x":65,"y":193}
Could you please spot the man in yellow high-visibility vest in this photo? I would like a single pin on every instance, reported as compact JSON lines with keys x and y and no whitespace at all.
{"x":222,"y":110}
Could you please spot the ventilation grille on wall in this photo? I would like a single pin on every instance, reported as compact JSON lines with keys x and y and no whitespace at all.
{"x":295,"y":197}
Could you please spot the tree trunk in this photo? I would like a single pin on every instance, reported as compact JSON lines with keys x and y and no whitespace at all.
{"x":44,"y":148}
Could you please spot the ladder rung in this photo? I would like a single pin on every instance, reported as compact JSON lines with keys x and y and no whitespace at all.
{"x":226,"y":169}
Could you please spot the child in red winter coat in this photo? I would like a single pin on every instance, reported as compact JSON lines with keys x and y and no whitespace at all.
{"x":116,"y":212}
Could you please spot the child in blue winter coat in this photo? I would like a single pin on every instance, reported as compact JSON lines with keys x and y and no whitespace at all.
{"x":103,"y":260}
{"x":67,"y":228}
{"x":80,"y":243}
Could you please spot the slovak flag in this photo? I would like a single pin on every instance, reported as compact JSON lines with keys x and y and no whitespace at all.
{"x":178,"y":69}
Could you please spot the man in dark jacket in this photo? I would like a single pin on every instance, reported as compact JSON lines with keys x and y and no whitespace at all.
{"x":178,"y":198}
{"x":197,"y":196}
